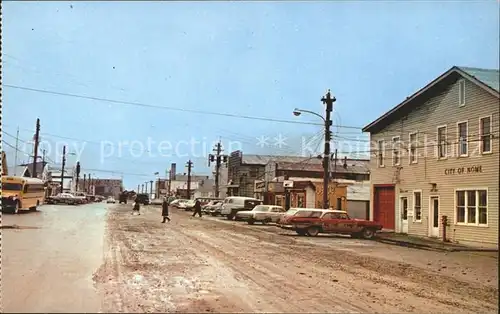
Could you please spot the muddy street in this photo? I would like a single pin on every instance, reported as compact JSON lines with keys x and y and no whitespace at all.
{"x":49,"y":256}
{"x":214,"y":265}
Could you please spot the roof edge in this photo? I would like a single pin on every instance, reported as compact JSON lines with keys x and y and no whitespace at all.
{"x":454,"y":69}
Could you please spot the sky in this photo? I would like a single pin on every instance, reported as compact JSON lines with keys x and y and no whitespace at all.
{"x":258,"y":59}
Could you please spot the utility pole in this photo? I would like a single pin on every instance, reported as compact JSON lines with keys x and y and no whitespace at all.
{"x":43,"y":159}
{"x":189,"y":165}
{"x":138,"y":188}
{"x":218,"y":159}
{"x":17,"y":149}
{"x":151,"y":188}
{"x":77,"y":175}
{"x":62,"y":168}
{"x":84,"y":183}
{"x":328,"y":101}
{"x":35,"y":154}
{"x":90,"y":184}
{"x":169,"y":180}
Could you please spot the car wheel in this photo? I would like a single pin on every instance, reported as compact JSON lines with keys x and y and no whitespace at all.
{"x":312,"y":231}
{"x":368,"y":233}
{"x":251,"y":221}
{"x":300,"y":232}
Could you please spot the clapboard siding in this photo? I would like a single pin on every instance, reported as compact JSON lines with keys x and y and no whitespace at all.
{"x":443,"y":109}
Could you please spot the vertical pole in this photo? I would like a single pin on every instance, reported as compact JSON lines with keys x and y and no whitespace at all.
{"x":17,"y":149}
{"x":151,"y":188}
{"x":62,"y":168}
{"x":328,"y":101}
{"x":169,"y":181}
{"x":90,"y":184}
{"x":85,"y":183}
{"x":217,"y":168}
{"x":189,"y":165}
{"x":35,"y":154}
{"x":158,"y":188}
{"x":77,"y":175}
{"x":138,"y":188}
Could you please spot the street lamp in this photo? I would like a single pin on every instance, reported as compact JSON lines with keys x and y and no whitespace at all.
{"x":328,"y":101}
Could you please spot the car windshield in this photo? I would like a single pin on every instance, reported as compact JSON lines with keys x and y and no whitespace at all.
{"x":261,"y":208}
{"x":308,"y":213}
{"x":12,"y":186}
{"x":250,"y":204}
{"x":291,"y":211}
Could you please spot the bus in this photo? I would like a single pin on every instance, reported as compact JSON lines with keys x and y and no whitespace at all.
{"x":20,"y":193}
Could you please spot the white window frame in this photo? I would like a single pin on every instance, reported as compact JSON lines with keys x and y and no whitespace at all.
{"x":379,"y":152}
{"x":461,"y":102}
{"x":409,"y":148}
{"x":459,"y":148}
{"x":465,"y":223}
{"x":439,"y":157}
{"x":396,"y":149}
{"x":481,"y":136}
{"x":413,"y":205}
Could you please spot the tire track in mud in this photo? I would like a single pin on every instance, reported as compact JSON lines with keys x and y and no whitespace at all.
{"x":384,"y":272}
{"x":310,"y":299}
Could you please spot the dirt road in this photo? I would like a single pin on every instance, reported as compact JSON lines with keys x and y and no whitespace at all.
{"x":212,"y":265}
{"x":48,"y":261}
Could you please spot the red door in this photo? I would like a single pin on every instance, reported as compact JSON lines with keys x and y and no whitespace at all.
{"x":384,"y":210}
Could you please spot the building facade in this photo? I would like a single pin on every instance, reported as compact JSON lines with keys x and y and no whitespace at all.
{"x":437,"y":154}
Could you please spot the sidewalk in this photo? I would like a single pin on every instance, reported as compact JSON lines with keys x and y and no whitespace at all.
{"x":426,"y":243}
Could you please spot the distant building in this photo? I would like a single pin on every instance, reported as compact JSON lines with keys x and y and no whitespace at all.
{"x":104,"y":187}
{"x":52,"y":175}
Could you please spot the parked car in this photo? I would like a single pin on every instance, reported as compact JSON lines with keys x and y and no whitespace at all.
{"x":82,"y":196}
{"x":207,"y":207}
{"x":234,"y":204}
{"x":261,"y":213}
{"x":174,"y":203}
{"x":65,"y":198}
{"x":111,"y":200}
{"x":123,"y":198}
{"x":189,"y":205}
{"x":182,"y":204}
{"x":142,"y":198}
{"x":312,"y":221}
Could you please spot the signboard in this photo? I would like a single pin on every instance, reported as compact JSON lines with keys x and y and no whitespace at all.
{"x":288,"y":184}
{"x":260,"y":186}
{"x":463,"y":170}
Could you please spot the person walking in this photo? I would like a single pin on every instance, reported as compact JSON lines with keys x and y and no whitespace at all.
{"x":164,"y":210}
{"x":137,"y":208}
{"x":197,"y":208}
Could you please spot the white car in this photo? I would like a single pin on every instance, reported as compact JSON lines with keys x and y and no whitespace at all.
{"x":111,"y":200}
{"x":261,"y":213}
{"x":234,"y":204}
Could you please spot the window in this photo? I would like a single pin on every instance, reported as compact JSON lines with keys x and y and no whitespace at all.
{"x":340,"y":216}
{"x":278,"y":201}
{"x":404,"y":212}
{"x":472,"y":207}
{"x":12,"y":186}
{"x":462,"y":139}
{"x":442,"y":142}
{"x":300,"y":201}
{"x":395,"y":151}
{"x":413,"y":148}
{"x":417,"y":205}
{"x":485,"y":134}
{"x":381,"y":153}
{"x":461,"y":93}
{"x":339,"y":203}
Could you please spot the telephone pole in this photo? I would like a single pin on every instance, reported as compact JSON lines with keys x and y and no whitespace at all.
{"x":77,"y":175}
{"x":169,"y":181}
{"x":218,"y":158}
{"x":328,"y":101}
{"x":138,"y":188}
{"x":90,"y":184}
{"x":151,"y":188}
{"x":62,"y":168}
{"x":189,"y":165}
{"x":85,"y":183}
{"x":35,"y":154}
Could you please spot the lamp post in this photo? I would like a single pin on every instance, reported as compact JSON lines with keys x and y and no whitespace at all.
{"x":328,"y":101}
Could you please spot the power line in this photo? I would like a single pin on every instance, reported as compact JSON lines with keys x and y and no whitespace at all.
{"x":138,"y":104}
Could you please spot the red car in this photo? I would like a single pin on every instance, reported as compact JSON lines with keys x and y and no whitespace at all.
{"x":311,"y":222}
